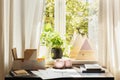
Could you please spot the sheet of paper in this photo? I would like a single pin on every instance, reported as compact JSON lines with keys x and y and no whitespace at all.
{"x":51,"y":73}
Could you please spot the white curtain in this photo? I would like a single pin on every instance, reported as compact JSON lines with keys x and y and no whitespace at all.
{"x":20,"y":27}
{"x":109,"y":36}
{"x":1,"y":42}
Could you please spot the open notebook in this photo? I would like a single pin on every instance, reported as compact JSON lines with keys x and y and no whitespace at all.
{"x":56,"y":73}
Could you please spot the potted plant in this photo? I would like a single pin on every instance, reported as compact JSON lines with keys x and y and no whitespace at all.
{"x":53,"y":40}
{"x":56,"y":43}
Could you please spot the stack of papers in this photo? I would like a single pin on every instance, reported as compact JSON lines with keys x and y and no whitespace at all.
{"x":92,"y":68}
{"x":51,"y":73}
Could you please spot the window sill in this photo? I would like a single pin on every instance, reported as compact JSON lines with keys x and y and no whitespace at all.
{"x":50,"y":62}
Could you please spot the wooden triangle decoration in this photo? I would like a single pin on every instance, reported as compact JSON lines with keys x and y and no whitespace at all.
{"x":86,"y":45}
{"x":82,"y":50}
{"x":76,"y":46}
{"x":86,"y":52}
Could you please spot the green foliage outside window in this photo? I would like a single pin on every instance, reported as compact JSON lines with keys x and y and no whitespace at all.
{"x":49,"y":12}
{"x":76,"y":16}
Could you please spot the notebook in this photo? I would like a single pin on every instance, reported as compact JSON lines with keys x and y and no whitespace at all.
{"x":20,"y":72}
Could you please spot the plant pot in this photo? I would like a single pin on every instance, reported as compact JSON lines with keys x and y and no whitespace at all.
{"x":56,"y":53}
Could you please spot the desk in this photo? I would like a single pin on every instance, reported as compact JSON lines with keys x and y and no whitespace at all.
{"x":83,"y":76}
{"x":31,"y":77}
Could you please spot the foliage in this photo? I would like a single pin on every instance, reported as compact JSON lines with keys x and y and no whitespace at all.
{"x":50,"y":38}
{"x":56,"y":40}
{"x":49,"y":12}
{"x":66,"y":48}
{"x":76,"y":17}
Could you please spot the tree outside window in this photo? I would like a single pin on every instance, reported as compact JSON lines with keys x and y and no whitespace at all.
{"x":49,"y":13}
{"x":77,"y":12}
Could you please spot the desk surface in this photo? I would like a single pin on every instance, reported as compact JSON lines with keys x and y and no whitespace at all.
{"x":83,"y":76}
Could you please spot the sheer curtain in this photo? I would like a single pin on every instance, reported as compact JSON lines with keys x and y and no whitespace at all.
{"x":21,"y":26}
{"x":1,"y":42}
{"x":108,"y":36}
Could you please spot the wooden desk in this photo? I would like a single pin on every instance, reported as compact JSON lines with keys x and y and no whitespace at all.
{"x":84,"y":76}
{"x":31,"y":77}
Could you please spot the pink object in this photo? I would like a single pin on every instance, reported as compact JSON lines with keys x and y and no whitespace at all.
{"x":86,"y":45}
{"x":68,"y":63}
{"x":59,"y":63}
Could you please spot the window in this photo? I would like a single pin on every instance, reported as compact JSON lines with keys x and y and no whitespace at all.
{"x":81,"y":15}
{"x":82,"y":18}
{"x":70,"y":17}
{"x":49,"y":13}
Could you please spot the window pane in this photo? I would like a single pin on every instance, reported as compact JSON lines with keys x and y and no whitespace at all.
{"x":93,"y":21}
{"x":49,"y":13}
{"x":80,"y":14}
{"x":48,"y":23}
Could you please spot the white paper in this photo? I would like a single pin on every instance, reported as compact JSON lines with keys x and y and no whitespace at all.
{"x":51,"y":73}
{"x":92,"y":66}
